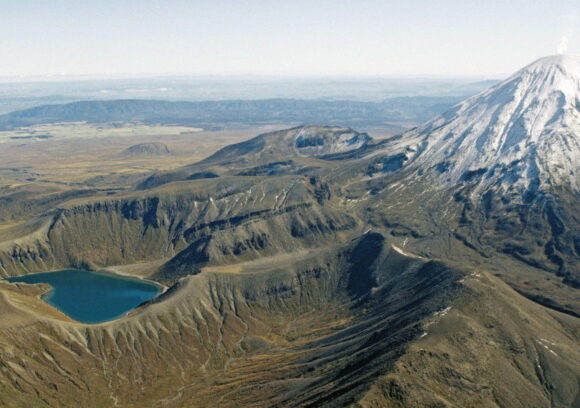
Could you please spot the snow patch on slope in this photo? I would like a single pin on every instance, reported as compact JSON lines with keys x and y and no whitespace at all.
{"x":524,"y":131}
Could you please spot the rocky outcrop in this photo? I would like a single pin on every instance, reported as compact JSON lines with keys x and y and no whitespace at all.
{"x":226,"y":221}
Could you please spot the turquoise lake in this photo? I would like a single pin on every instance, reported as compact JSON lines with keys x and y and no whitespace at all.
{"x":92,"y":297}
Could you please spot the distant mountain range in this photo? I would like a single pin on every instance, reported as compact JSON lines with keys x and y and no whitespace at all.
{"x":342,"y":113}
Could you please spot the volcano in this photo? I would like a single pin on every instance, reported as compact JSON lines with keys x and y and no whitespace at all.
{"x":501,"y":169}
{"x":523,"y":131}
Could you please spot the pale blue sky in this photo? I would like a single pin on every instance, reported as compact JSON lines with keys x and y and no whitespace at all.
{"x":294,"y":37}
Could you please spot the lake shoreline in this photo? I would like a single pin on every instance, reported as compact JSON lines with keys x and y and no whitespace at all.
{"x":93,"y":297}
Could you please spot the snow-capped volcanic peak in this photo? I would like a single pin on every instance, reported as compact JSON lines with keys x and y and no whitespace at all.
{"x":526,"y":127}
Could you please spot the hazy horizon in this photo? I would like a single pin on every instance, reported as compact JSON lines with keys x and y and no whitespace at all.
{"x":341,"y":38}
{"x":242,"y":77}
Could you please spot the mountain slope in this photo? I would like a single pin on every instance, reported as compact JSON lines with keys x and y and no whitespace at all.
{"x":355,"y":325}
{"x":289,"y":151}
{"x":499,"y":172}
{"x":522,"y":131}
